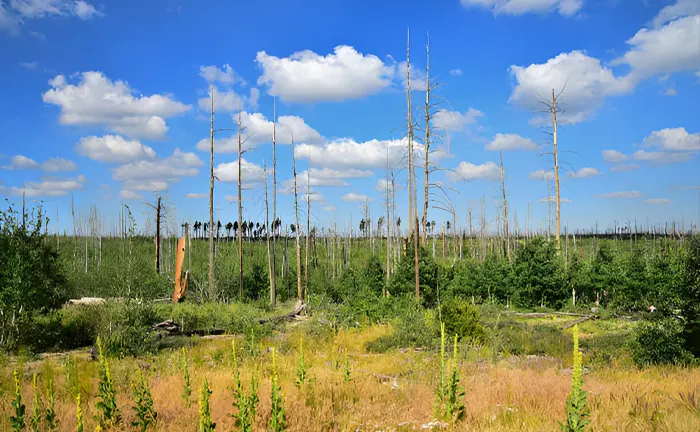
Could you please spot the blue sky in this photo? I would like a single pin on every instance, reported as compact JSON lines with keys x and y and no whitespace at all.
{"x":108,"y":102}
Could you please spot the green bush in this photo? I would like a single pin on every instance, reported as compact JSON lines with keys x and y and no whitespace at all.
{"x":413,"y":327}
{"x":538,"y":279}
{"x":461,"y":318}
{"x":660,"y":342}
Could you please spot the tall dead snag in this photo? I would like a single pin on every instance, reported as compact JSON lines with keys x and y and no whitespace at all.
{"x":308,"y":229}
{"x":505,"y":209}
{"x":410,"y":134}
{"x":296,"y":216}
{"x":240,"y":212}
{"x":427,"y":141}
{"x":556,"y":171}
{"x":388,"y":224}
{"x":273,"y":272}
{"x":273,"y":294}
{"x":212,"y":288}
{"x":157,"y":208}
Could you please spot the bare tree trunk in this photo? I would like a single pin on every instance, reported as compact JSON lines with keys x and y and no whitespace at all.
{"x":274,"y":191}
{"x":388,"y":225}
{"x":556,"y":172}
{"x":549,"y":211}
{"x":410,"y":134}
{"x":443,"y":242}
{"x":505,"y":209}
{"x":75,"y":233}
{"x":212,"y":288}
{"x":308,"y":230}
{"x":270,"y":266}
{"x":240,"y":212}
{"x":426,"y":186}
{"x":415,"y":258}
{"x":296,"y":215}
{"x":157,"y":208}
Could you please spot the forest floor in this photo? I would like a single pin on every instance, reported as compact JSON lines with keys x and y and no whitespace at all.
{"x":391,"y":391}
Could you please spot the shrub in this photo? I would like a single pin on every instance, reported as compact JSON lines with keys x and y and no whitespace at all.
{"x":125,"y":328}
{"x":461,"y":318}
{"x":537,"y":275}
{"x":660,"y":342}
{"x":412,"y":327}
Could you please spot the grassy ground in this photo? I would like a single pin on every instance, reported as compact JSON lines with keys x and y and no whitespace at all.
{"x":388,"y":391}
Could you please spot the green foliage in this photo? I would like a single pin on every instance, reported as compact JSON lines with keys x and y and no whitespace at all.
{"x":302,"y":369}
{"x":186,"y":389}
{"x":17,"y":421}
{"x":245,"y":402}
{"x":205,"y":422}
{"x":461,"y":319}
{"x":106,"y":405}
{"x":577,"y":411}
{"x":31,"y":279}
{"x":52,"y":422}
{"x":144,"y":411}
{"x":278,"y":416}
{"x":346,"y":368}
{"x":412,"y":327}
{"x":403,"y":281}
{"x":449,"y":395}
{"x":538,"y":277}
{"x":484,"y":281}
{"x":72,"y":379}
{"x":35,"y":421}
{"x":78,"y":414}
{"x":125,"y":328}
{"x":660,"y":342}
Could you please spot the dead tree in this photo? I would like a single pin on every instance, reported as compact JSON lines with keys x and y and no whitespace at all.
{"x":308,"y":229}
{"x":388,"y":224}
{"x":212,"y":288}
{"x":296,"y":216}
{"x":505,"y":209}
{"x":157,"y":208}
{"x":273,"y":293}
{"x":274,"y":193}
{"x":240,"y":211}
{"x":410,"y":134}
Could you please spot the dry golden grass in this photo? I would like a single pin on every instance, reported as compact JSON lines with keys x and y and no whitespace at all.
{"x":388,"y":392}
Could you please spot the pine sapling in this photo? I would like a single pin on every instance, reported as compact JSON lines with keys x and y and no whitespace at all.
{"x":107,"y":394}
{"x":187,"y":389}
{"x":35,"y":421}
{"x":278,"y":416}
{"x":52,"y":421}
{"x":302,"y":370}
{"x":17,"y":421}
{"x":146,"y":414}
{"x":205,"y":422}
{"x":577,"y":411}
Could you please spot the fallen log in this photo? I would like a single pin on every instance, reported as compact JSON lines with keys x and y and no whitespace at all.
{"x":295,"y":314}
{"x":542,"y":314}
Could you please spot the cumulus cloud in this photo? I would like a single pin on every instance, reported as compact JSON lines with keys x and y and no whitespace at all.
{"x":114,"y":149}
{"x":329,"y":208}
{"x":324,"y":177}
{"x":657,"y":201}
{"x":624,"y":167}
{"x":250,"y":172}
{"x":624,"y":194}
{"x":456,"y":72}
{"x":662,"y":157}
{"x":15,"y":12}
{"x":98,"y":101}
{"x":455,"y":120}
{"x":129,"y":195}
{"x":583,"y":173}
{"x":195,"y":195}
{"x":587,"y":84}
{"x":348,"y":153}
{"x":466,"y":171}
{"x":48,"y":187}
{"x":154,"y":175}
{"x":680,"y":8}
{"x":258,"y":130}
{"x":52,"y":165}
{"x":542,"y":175}
{"x":554,"y":199}
{"x":225,"y":75}
{"x":675,"y":139}
{"x":614,"y":156}
{"x":504,"y":142}
{"x":309,"y":77}
{"x":353,"y":197}
{"x":520,"y":7}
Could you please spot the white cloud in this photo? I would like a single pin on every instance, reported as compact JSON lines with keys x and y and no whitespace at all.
{"x":58,"y":164}
{"x":20,"y":162}
{"x":455,"y":120}
{"x":671,"y":48}
{"x":129,"y":195}
{"x":614,"y":156}
{"x":624,"y":167}
{"x":661,"y":158}
{"x":154,"y":175}
{"x":456,"y":72}
{"x":329,"y":208}
{"x":113,"y":149}
{"x":625,"y":194}
{"x":587,"y":84}
{"x":308,"y":77}
{"x":583,"y":173}
{"x":353,"y":197}
{"x":657,"y":201}
{"x":15,"y":12}
{"x":324,"y":177}
{"x":313,"y":197}
{"x":8,"y":20}
{"x":85,"y":10}
{"x":676,"y":139}
{"x":195,"y":195}
{"x":250,"y":172}
{"x":519,"y":7}
{"x":680,"y":8}
{"x":504,"y":142}
{"x":554,"y":199}
{"x":542,"y":175}
{"x":418,"y":78}
{"x":670,"y":92}
{"x":29,"y":65}
{"x":258,"y":130}
{"x":382,"y":185}
{"x":226,"y":75}
{"x":49,"y":187}
{"x":348,"y":153}
{"x":96,"y":100}
{"x":224,"y":101}
{"x":466,"y":171}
